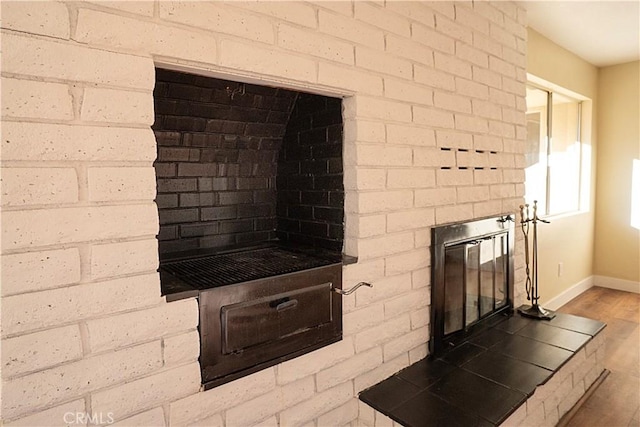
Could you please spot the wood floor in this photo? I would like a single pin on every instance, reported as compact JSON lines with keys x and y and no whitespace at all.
{"x":616,"y":403}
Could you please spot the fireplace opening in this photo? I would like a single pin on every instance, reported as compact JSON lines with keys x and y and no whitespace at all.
{"x":251,"y":207}
{"x":472,"y":278}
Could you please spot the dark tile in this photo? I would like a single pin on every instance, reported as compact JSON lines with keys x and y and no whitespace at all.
{"x":577,"y":324}
{"x":489,"y":338}
{"x":388,"y":394}
{"x":463,"y":353}
{"x":513,"y":324}
{"x":477,"y":395}
{"x":512,"y":373}
{"x":427,"y":410}
{"x":425,"y":372}
{"x":544,"y":355}
{"x":559,"y":337}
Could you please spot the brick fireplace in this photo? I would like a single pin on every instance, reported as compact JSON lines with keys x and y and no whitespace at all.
{"x":433,"y":116}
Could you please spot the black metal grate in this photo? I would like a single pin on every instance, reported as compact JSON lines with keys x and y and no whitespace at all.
{"x":237,"y":267}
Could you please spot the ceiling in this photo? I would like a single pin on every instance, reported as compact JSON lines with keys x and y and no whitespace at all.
{"x":600,"y":32}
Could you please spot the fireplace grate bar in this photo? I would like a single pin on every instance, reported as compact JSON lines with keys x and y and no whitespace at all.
{"x":237,"y":267}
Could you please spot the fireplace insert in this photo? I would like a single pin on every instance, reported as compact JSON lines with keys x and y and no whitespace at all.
{"x":472,"y":278}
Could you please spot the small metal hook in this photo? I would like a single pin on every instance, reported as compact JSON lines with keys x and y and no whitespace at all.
{"x":352,"y":290}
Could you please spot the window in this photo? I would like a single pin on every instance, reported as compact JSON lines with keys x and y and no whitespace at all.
{"x":555,"y":154}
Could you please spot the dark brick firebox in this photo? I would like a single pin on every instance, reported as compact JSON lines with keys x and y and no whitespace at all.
{"x":240,"y":164}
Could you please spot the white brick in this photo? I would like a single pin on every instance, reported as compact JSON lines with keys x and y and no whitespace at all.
{"x":472,"y":19}
{"x":433,"y":117}
{"x":349,"y":368}
{"x":211,"y":421}
{"x":365,"y":414}
{"x":40,"y":142}
{"x":409,"y":220}
{"x":505,"y":130}
{"x":449,"y":214}
{"x":471,"y":88}
{"x":340,"y":416}
{"x":405,"y":343}
{"x":516,"y":419}
{"x":43,"y":18}
{"x":203,"y":404}
{"x":417,"y":11}
{"x":58,"y":306}
{"x":257,"y":59}
{"x":410,"y":135}
{"x":454,"y":177}
{"x":341,"y":7}
{"x":349,"y":29}
{"x":218,"y":18}
{"x":36,"y":391}
{"x":144,"y":37}
{"x":315,"y":361}
{"x":486,"y":109}
{"x":118,"y":331}
{"x":487,"y":143}
{"x":408,"y":49}
{"x":435,"y":197}
{"x":53,"y":417}
{"x":298,"y":40}
{"x":434,"y":78}
{"x":181,"y":348}
{"x":418,"y":353}
{"x":405,"y":262}
{"x":487,"y":176}
{"x":121,"y":183}
{"x":362,"y":271}
{"x":297,"y":13}
{"x":452,"y":139}
{"x":34,"y":271}
{"x":410,"y":178}
{"x":144,"y":393}
{"x":488,"y":208}
{"x":382,"y":201}
{"x":451,"y":29}
{"x":487,"y":77}
{"x":39,"y":186}
{"x":471,"y":124}
{"x":384,"y":288}
{"x":117,"y":106}
{"x":384,"y":245}
{"x":431,"y":38}
{"x":373,"y":337}
{"x":422,"y":277}
{"x":380,"y":18}
{"x":153,"y":417}
{"x":407,"y":91}
{"x":502,"y":98}
{"x":502,"y":36}
{"x":352,"y":79}
{"x":473,"y":194}
{"x":434,"y":157}
{"x":382,"y":155}
{"x":65,"y":225}
{"x":251,"y":412}
{"x":420,"y":318}
{"x":381,"y":62}
{"x":364,"y":131}
{"x":36,"y":100}
{"x":317,"y":405}
{"x":362,"y":318}
{"x":378,"y":109}
{"x":380,"y":373}
{"x":46,"y":58}
{"x":453,"y":65}
{"x":117,"y":259}
{"x":365,"y":179}
{"x":366,"y":226}
{"x":40,"y":350}
{"x":138,"y":7}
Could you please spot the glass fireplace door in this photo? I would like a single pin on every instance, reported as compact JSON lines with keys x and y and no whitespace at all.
{"x":475,"y":281}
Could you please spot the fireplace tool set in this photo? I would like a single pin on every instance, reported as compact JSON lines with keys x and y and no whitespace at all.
{"x":534,"y":310}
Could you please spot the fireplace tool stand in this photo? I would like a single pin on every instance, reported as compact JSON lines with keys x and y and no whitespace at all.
{"x":534,"y":310}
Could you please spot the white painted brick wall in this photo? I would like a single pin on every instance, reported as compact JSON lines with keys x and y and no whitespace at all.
{"x":79,"y":225}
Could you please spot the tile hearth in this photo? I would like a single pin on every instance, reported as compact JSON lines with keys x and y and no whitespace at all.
{"x":484,"y":380}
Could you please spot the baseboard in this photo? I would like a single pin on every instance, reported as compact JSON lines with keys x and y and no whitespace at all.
{"x":619,"y":284}
{"x":569,"y":294}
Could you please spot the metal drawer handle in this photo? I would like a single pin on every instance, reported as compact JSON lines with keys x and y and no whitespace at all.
{"x":352,"y":290}
{"x":287,"y":305}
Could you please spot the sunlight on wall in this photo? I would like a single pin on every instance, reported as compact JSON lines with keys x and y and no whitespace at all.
{"x":635,"y":194}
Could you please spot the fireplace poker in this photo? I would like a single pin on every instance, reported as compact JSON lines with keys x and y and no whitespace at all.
{"x":534,"y":310}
